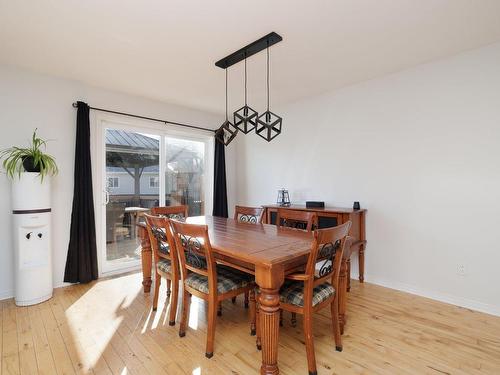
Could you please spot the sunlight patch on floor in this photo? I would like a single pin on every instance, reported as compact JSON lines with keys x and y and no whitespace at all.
{"x":146,"y":322}
{"x":197,"y":371}
{"x":193,"y":313}
{"x":84,"y":317}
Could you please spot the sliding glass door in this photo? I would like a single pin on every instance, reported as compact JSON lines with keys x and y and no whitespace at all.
{"x":185,"y":174}
{"x":132,"y":163}
{"x":143,"y":168}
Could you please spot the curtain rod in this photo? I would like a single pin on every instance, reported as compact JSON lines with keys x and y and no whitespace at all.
{"x":75,"y":105}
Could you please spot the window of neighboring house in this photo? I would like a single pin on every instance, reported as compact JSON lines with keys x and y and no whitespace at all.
{"x":113,"y":182}
{"x":154,"y":182}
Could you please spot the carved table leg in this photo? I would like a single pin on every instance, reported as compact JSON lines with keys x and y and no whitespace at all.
{"x":269,"y":281}
{"x":146,"y":258}
{"x":269,"y":318}
{"x":342,"y":297}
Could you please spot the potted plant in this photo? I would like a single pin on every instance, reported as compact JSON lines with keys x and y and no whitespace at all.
{"x":29,"y":159}
{"x":31,"y":217}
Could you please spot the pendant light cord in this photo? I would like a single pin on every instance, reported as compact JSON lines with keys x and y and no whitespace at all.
{"x":245,"y":80}
{"x":267,"y":76}
{"x":226,"y":95}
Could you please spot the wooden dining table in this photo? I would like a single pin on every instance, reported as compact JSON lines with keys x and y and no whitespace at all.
{"x":268,"y":252}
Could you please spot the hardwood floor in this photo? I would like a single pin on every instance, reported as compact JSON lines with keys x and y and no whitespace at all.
{"x":108,"y":327}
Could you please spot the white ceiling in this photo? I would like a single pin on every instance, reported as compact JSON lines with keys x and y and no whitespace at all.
{"x":166,"y":50}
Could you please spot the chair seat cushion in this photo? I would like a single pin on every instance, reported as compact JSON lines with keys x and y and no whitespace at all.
{"x":292,"y":292}
{"x":227,"y":280}
{"x":164,"y":265}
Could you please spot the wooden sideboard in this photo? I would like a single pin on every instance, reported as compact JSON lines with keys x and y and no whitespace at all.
{"x":330,"y":217}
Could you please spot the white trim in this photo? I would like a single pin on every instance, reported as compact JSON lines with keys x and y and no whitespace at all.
{"x":6,"y":294}
{"x":99,"y":122}
{"x":437,"y":296}
{"x":441,"y":297}
{"x":120,"y":270}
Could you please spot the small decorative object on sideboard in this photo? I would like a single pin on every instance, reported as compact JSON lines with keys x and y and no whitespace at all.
{"x":356,"y":206}
{"x":283,"y":198}
{"x":315,"y":204}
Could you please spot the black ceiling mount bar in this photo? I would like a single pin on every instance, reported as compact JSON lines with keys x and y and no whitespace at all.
{"x":249,"y":50}
{"x":75,"y":105}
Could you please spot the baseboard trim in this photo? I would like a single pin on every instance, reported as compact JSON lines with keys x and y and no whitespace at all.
{"x":10,"y":293}
{"x":437,"y":296}
{"x":441,"y":297}
{"x":6,"y":294}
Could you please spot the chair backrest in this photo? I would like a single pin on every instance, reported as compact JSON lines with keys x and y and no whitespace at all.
{"x":326,"y":254}
{"x":248,"y":214}
{"x":296,"y":219}
{"x":160,"y":236}
{"x":172,"y":212}
{"x":194,"y":251}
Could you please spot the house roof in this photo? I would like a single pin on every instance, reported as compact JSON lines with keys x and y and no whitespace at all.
{"x":129,"y":149}
{"x":115,"y":137}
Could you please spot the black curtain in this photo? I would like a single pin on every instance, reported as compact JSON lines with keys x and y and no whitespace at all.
{"x":81,"y":262}
{"x":220,"y":192}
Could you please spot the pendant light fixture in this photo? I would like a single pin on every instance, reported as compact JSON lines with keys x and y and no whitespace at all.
{"x":245,"y":118}
{"x":227,"y":131}
{"x":268,"y":123}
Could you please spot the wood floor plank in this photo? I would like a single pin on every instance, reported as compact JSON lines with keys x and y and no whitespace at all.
{"x":10,"y":349}
{"x":74,"y":346}
{"x":62,"y":360}
{"x":27,"y":357}
{"x":44,"y":358}
{"x":108,"y":327}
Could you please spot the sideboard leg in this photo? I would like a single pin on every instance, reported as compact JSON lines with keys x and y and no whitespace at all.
{"x":361,"y":260}
{"x":342,"y":295}
{"x":349,"y":275}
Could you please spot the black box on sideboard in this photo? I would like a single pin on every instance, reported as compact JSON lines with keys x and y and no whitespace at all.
{"x":315,"y":204}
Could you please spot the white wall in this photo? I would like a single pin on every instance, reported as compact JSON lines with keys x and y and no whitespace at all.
{"x":420,"y":150}
{"x":29,"y":100}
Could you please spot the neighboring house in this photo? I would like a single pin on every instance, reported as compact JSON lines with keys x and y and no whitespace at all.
{"x":120,"y":182}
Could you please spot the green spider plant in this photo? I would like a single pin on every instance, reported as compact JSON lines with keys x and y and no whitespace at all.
{"x":29,"y":159}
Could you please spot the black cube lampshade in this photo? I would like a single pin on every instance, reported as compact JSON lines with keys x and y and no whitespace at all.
{"x":226,"y":133}
{"x":268,"y":125}
{"x":245,"y":119}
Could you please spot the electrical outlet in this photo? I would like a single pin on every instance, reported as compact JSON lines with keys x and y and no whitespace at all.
{"x":461,"y":270}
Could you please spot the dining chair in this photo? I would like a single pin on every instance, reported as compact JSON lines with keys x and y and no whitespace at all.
{"x":179,"y":212}
{"x":165,"y":260}
{"x":251,"y":215}
{"x":316,"y":288}
{"x":115,"y":228}
{"x":203,"y":278}
{"x":295,"y":220}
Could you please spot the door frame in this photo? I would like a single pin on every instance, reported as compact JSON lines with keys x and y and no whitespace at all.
{"x":99,"y":122}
